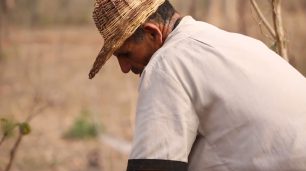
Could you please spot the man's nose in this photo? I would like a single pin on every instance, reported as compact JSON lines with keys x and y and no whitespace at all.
{"x":125,"y":65}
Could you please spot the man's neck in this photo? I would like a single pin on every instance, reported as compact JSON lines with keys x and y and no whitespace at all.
{"x":170,"y":26}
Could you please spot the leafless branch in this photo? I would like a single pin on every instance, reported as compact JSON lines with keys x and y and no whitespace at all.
{"x":263,"y":18}
{"x":13,"y":152}
{"x":33,"y":113}
{"x":18,"y":141}
{"x":37,"y":111}
{"x":3,"y":138}
{"x":262,"y":30}
{"x":278,"y":26}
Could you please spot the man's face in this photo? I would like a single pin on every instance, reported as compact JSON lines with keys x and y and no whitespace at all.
{"x":134,"y":55}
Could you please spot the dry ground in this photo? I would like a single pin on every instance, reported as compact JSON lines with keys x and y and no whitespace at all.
{"x":48,"y":68}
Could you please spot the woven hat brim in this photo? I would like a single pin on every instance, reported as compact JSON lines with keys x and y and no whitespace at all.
{"x":110,"y":47}
{"x":104,"y":54}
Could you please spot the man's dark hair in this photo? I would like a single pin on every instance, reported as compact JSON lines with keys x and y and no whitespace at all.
{"x":163,"y":15}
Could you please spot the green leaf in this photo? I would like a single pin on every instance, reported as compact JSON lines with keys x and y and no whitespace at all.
{"x":24,"y":128}
{"x":7,"y":126}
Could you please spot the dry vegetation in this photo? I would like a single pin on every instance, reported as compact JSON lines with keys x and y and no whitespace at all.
{"x":52,"y":65}
{"x":44,"y":65}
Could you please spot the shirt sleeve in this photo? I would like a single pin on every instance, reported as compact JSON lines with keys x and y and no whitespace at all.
{"x":166,"y":124}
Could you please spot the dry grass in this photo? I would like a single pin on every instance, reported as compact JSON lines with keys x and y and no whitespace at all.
{"x":51,"y":65}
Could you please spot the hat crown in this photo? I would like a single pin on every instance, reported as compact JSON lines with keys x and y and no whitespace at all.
{"x":117,"y":20}
{"x":111,"y":16}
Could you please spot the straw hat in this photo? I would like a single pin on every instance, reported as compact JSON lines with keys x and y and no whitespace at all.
{"x":117,"y":20}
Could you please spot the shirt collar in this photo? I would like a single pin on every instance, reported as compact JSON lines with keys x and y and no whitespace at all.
{"x":183,"y":21}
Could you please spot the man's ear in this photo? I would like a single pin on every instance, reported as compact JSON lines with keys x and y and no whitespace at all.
{"x":153,"y":32}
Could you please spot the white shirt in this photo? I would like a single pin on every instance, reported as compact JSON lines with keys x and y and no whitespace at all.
{"x":215,"y":100}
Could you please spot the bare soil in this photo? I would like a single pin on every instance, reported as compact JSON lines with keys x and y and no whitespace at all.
{"x":47,"y":69}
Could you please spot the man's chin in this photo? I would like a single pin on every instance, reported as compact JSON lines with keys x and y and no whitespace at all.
{"x":137,"y":71}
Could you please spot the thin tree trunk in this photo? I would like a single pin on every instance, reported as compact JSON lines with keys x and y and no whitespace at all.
{"x":215,"y":13}
{"x":279,"y":29}
{"x":242,"y":9}
{"x":192,"y":8}
{"x":1,"y":34}
{"x":206,"y":7}
{"x":5,"y":7}
{"x":2,"y":13}
{"x":230,"y":18}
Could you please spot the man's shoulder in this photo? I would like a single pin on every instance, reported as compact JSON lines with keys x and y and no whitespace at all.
{"x":179,"y":49}
{"x":184,"y":43}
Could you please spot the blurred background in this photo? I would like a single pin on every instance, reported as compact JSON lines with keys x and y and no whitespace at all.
{"x":46,"y":50}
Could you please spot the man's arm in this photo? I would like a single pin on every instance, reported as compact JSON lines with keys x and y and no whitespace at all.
{"x":166,"y":125}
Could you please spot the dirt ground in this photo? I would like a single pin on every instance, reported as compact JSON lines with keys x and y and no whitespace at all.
{"x":46,"y":70}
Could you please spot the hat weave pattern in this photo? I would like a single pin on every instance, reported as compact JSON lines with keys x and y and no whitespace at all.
{"x":116,"y":21}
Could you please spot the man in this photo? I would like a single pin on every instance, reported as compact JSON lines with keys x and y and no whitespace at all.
{"x":208,"y":99}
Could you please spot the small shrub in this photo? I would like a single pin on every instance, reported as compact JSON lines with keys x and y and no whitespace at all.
{"x":7,"y":127}
{"x":82,"y":128}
